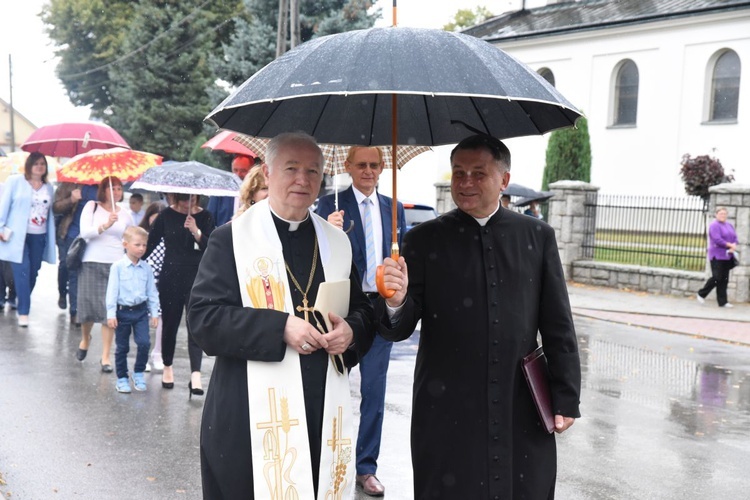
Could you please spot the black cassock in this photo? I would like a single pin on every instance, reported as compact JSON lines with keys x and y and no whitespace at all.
{"x":482,"y":294}
{"x":235,"y":334}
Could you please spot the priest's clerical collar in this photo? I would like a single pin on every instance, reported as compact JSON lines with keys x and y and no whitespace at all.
{"x":293,"y":224}
{"x":483,"y":221}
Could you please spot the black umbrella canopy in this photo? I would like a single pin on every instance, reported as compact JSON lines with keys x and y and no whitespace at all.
{"x":338,"y":89}
{"x":539,"y":197}
{"x":522,"y":191}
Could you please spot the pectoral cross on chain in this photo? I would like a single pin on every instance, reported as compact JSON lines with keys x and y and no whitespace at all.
{"x":304,"y":308}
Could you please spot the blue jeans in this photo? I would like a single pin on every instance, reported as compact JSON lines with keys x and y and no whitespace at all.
{"x":24,"y":274}
{"x":67,"y":280}
{"x":137,"y":321}
{"x":373,"y":369}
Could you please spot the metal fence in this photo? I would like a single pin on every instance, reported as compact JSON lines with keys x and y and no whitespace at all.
{"x":646,"y":230}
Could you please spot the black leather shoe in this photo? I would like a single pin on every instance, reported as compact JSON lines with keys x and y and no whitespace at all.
{"x":106,"y":368}
{"x":194,"y":392}
{"x":167,"y":385}
{"x":62,"y":302}
{"x":81,"y":354}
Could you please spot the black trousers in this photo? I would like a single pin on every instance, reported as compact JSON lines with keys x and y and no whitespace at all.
{"x":175,"y":283}
{"x":719,"y":279}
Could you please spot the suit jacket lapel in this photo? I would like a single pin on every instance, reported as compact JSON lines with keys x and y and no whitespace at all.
{"x":349,"y":205}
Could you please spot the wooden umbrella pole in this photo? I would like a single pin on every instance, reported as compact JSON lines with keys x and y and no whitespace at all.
{"x":380,"y":271}
{"x":394,"y":161}
{"x":394,"y":172}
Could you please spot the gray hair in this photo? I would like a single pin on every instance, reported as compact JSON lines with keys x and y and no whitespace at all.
{"x":275,"y":145}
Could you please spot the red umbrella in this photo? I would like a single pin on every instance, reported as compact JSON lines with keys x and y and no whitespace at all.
{"x":71,"y":139}
{"x":225,"y":141}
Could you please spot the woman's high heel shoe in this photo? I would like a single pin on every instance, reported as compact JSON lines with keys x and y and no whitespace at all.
{"x":167,"y":385}
{"x":197,"y":391}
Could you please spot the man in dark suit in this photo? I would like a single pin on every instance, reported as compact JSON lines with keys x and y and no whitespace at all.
{"x":366,"y":216}
{"x":485,"y":282}
{"x":224,"y":207}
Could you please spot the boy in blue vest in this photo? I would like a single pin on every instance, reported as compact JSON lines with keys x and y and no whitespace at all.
{"x":131,"y":299}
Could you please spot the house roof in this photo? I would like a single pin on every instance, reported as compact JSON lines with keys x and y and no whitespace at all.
{"x":6,"y":105}
{"x":572,"y":16}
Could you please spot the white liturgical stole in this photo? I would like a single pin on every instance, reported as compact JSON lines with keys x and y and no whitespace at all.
{"x":278,"y":425}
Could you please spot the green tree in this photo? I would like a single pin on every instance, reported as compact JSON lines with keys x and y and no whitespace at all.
{"x":88,"y":35}
{"x":159,"y":94}
{"x":568,"y":155}
{"x":253,"y":43}
{"x":465,"y":18}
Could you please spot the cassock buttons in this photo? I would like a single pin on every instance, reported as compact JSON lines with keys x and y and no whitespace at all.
{"x":492,"y":266}
{"x":497,"y":478}
{"x":493,"y":284}
{"x":495,"y":321}
{"x":494,"y":401}
{"x":495,"y":342}
{"x":494,"y":304}
{"x":494,"y":381}
{"x":489,"y":249}
{"x":495,"y":458}
{"x":495,"y":438}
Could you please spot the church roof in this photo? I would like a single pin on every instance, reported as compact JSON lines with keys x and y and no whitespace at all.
{"x":572,"y":16}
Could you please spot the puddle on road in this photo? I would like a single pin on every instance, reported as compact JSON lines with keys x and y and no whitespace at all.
{"x":705,"y":398}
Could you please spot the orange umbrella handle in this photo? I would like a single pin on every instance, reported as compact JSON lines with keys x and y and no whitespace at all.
{"x":380,"y":275}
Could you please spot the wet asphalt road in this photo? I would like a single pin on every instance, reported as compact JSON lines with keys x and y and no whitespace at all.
{"x":665,"y":417}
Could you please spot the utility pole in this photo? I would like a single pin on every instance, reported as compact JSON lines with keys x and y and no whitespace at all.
{"x":294,"y":23}
{"x":12,"y":108}
{"x":281,"y":30}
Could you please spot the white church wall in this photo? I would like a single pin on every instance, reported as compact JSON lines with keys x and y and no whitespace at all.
{"x":672,"y":58}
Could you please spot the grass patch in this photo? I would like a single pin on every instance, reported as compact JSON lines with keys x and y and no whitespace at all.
{"x":683,"y":261}
{"x":658,"y":239}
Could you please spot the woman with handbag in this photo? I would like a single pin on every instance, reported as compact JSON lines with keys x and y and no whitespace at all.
{"x":27,"y":228}
{"x":722,"y":244}
{"x":102,"y":226}
{"x":185,"y":228}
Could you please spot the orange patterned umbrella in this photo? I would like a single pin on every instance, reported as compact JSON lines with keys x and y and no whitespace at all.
{"x":93,"y":166}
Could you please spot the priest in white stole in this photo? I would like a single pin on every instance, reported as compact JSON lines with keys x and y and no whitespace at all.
{"x":277,"y":417}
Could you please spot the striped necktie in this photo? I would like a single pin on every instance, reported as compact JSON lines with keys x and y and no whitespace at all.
{"x":369,"y":244}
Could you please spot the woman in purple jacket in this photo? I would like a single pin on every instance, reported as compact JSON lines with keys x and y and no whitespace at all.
{"x":722,"y":243}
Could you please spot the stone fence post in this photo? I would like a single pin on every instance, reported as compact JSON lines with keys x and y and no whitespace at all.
{"x":736,"y":199}
{"x":574,"y":225}
{"x":443,"y":196}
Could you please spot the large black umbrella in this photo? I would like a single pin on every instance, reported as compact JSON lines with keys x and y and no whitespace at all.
{"x":394,"y":86}
{"x":339,"y":89}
